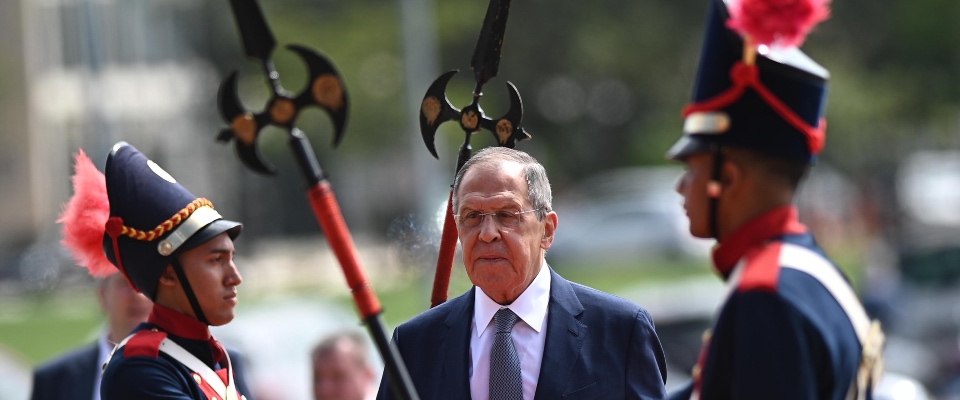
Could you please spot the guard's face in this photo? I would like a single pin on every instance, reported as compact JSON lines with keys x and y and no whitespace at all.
{"x":501,"y":260}
{"x":693,"y":187}
{"x":214,"y":278}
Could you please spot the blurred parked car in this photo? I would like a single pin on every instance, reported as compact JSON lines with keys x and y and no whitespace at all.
{"x":15,"y":377}
{"x":922,"y":304}
{"x":623,"y":214}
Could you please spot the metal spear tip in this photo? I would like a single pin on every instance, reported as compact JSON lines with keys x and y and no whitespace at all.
{"x":486,"y":56}
{"x":258,"y":41}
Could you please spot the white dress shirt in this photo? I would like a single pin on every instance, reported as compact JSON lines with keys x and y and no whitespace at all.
{"x":105,"y":348}
{"x":529,"y":336}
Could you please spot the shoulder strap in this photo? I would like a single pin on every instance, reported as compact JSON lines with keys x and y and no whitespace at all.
{"x":868,"y":332}
{"x":228,"y":392}
{"x":142,"y":343}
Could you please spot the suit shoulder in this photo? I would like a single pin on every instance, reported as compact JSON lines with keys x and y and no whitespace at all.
{"x":597,"y":299}
{"x":77,"y":357}
{"x":438,"y":314}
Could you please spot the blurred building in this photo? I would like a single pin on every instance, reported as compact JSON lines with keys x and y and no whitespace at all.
{"x":85,"y":74}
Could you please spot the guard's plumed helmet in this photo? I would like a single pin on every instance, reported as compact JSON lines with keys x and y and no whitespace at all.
{"x":137,"y":216}
{"x":755,"y":89}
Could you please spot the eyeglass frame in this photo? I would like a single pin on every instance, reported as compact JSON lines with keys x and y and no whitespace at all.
{"x":493,"y":214}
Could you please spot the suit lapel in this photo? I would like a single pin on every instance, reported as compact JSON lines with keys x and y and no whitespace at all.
{"x":565,"y":336}
{"x":454,"y":348}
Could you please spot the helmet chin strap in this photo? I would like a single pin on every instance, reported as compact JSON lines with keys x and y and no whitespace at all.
{"x":188,"y":290}
{"x":713,"y":190}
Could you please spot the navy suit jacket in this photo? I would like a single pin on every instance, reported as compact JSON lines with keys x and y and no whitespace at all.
{"x":70,"y":377}
{"x":597,"y":346}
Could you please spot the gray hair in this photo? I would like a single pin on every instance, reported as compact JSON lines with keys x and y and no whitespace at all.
{"x":538,"y":186}
{"x":360,"y":350}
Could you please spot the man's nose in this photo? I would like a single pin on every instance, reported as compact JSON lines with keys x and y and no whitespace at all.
{"x":681,"y":184}
{"x":489,"y":228}
{"x":233,"y":277}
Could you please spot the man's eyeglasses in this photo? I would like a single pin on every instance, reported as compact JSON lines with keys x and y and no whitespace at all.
{"x":504,"y":219}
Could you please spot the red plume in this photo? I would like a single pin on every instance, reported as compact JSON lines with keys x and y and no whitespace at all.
{"x":784,"y":22}
{"x":84,"y":218}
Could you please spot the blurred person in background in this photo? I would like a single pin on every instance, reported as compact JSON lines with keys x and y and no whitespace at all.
{"x":791,"y":326}
{"x":76,"y":375}
{"x":523,"y":331}
{"x":175,"y":249}
{"x":342,"y":369}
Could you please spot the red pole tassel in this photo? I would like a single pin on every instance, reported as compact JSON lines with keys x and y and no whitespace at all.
{"x":448,"y":248}
{"x":328,"y":214}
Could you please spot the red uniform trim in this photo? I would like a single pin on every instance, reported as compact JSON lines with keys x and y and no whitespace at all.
{"x":144,"y":343}
{"x":178,"y":324}
{"x":762,"y":269}
{"x":746,"y":76}
{"x":753,"y":234}
{"x":207,"y":389}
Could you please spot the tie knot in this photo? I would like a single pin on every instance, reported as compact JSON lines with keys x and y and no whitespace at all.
{"x":505,"y":320}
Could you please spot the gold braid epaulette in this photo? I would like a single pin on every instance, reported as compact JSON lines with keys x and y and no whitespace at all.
{"x":167,"y":225}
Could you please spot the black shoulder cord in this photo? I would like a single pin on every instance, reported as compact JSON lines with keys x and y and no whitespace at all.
{"x":188,"y":290}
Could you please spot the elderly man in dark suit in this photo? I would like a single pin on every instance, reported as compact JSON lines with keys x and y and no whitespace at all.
{"x":76,"y":375}
{"x":524,"y":332}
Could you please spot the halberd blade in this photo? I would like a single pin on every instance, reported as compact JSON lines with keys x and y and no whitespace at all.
{"x":258,"y":41}
{"x":486,"y":56}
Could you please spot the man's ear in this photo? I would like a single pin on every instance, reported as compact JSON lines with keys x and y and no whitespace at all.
{"x":733,"y":176}
{"x":549,"y":229}
{"x":169,"y":278}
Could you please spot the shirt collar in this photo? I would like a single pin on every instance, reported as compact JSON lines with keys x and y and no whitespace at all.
{"x":178,"y":324}
{"x":530,"y":306}
{"x":771,"y":224}
{"x":105,"y":346}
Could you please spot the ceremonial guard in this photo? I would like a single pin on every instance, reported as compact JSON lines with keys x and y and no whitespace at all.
{"x":178,"y":251}
{"x":791,"y":326}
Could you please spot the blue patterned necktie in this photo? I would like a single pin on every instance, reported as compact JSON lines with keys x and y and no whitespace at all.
{"x":505,"y":380}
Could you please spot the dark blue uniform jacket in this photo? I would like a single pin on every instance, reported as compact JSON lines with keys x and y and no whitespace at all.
{"x":131,"y":374}
{"x":780,"y":334}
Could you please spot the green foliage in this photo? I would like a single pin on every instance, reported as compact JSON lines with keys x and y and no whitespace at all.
{"x":894,"y":70}
{"x":603,"y":83}
{"x":39,"y":327}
